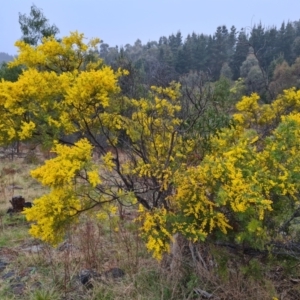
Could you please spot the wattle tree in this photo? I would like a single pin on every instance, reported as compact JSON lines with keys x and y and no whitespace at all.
{"x":243,"y":189}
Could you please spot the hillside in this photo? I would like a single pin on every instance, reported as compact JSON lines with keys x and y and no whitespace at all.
{"x":4,"y":57}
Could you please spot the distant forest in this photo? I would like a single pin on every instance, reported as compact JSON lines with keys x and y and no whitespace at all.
{"x":4,"y":57}
{"x":264,"y":60}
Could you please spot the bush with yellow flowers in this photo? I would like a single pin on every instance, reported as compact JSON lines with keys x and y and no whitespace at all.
{"x":244,"y":189}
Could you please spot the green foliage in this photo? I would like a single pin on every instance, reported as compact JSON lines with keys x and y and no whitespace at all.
{"x":206,"y":108}
{"x":253,"y":269}
{"x":45,"y":295}
{"x":10,"y":74}
{"x":222,"y":53}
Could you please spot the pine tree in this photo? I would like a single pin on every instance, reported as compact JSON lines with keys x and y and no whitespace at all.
{"x":240,"y":54}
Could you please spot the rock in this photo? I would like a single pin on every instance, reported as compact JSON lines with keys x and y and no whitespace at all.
{"x":33,"y":249}
{"x":66,"y":246}
{"x":114,"y":273}
{"x":17,"y":203}
{"x":87,"y":277}
{"x":14,"y":187}
{"x":10,"y":211}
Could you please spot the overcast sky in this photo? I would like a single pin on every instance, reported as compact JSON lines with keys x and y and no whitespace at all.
{"x":119,"y":22}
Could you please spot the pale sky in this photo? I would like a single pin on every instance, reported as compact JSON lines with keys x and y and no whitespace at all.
{"x":121,"y":22}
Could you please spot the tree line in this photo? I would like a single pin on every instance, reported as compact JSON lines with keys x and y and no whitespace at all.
{"x":251,"y":54}
{"x":265,"y":58}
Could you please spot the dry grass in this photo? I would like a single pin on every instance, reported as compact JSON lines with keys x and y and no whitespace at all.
{"x":15,"y":180}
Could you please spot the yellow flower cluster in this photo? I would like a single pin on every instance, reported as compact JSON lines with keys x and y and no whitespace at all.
{"x":241,"y":181}
{"x":65,"y":166}
{"x":51,"y":214}
{"x":252,"y":114}
{"x":58,"y":91}
{"x":154,"y":124}
{"x":155,"y":232}
{"x":66,"y":55}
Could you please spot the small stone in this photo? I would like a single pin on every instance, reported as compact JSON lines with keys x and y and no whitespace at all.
{"x":34,"y":248}
{"x":14,"y":187}
{"x":87,"y":276}
{"x":66,"y":246}
{"x":10,"y":211}
{"x":114,"y":273}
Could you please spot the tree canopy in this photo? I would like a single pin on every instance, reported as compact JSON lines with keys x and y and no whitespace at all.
{"x":36,"y":26}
